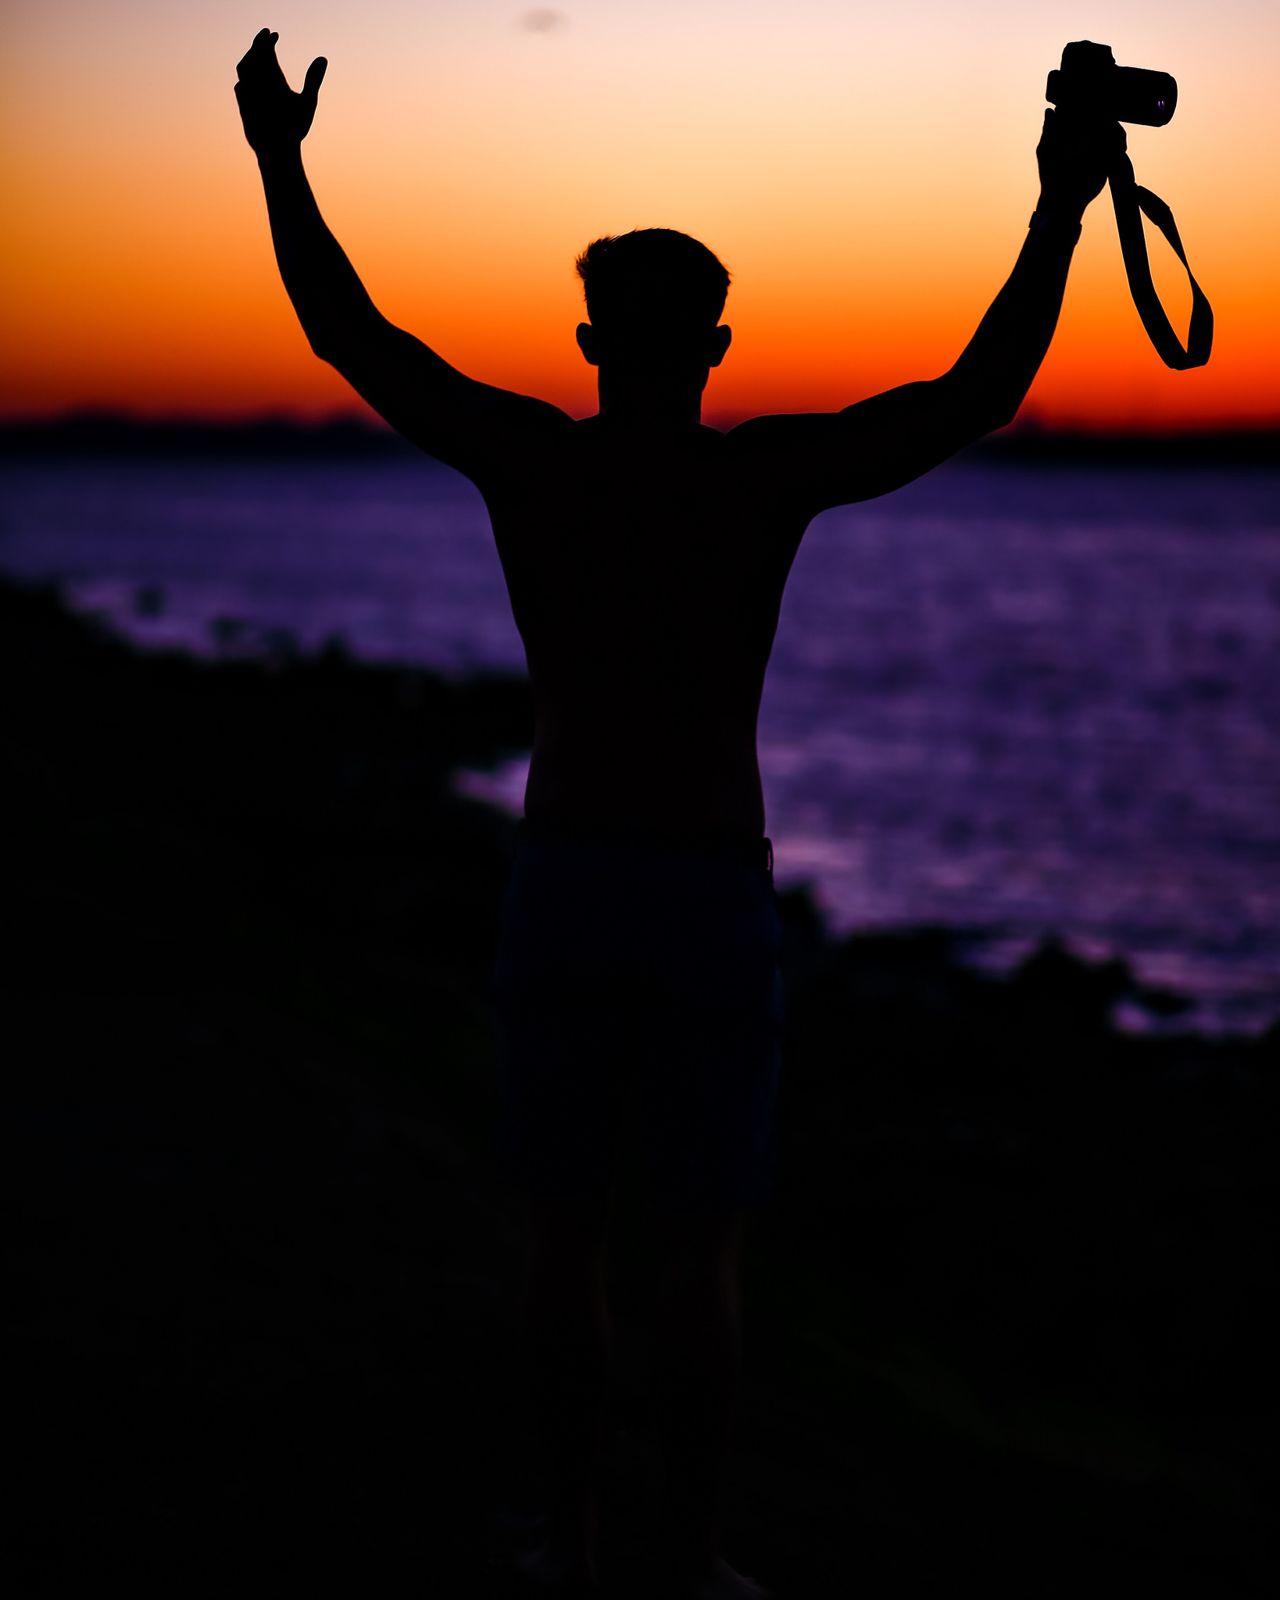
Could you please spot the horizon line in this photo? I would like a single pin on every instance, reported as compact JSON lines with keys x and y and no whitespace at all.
{"x":1028,"y":428}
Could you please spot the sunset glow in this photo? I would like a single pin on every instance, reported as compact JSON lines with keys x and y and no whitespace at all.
{"x":865,"y":175}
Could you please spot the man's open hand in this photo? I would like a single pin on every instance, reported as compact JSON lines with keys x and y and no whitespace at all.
{"x":1076,"y":155}
{"x":274,"y":117}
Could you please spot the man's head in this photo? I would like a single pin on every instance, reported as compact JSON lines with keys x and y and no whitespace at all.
{"x":654,"y":297}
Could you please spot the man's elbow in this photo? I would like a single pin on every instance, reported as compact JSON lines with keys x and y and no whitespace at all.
{"x":979,"y":409}
{"x":323,"y":344}
{"x":990,"y":412}
{"x":328,"y":337}
{"x":344,"y":340}
{"x":1001,"y":415}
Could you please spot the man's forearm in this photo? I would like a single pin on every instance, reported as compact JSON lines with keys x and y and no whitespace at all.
{"x":999,"y":363}
{"x":322,"y":284}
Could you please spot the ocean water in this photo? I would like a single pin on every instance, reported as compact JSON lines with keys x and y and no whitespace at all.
{"x":1014,"y":700}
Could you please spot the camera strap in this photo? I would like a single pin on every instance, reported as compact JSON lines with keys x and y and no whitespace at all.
{"x":1132,"y":202}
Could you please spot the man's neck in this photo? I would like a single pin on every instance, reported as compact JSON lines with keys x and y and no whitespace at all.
{"x":656,"y":410}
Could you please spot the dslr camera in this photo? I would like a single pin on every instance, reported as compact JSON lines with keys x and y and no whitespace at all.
{"x":1089,"y":81}
{"x":1089,"y":85}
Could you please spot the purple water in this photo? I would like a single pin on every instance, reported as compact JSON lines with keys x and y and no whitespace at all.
{"x":1025,"y":699}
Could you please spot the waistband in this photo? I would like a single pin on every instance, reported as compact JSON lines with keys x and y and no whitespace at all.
{"x":747,"y":852}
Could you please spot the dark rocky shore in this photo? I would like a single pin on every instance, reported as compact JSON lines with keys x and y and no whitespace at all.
{"x":1008,"y":1321}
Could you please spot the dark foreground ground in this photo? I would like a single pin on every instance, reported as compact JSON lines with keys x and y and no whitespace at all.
{"x":1007,"y":1322}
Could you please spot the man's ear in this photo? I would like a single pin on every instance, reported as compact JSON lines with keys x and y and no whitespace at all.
{"x":586,"y":337}
{"x":721,"y":338}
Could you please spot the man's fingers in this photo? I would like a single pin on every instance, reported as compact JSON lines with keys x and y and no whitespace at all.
{"x":260,"y":65}
{"x":315,"y":77}
{"x":259,"y":53}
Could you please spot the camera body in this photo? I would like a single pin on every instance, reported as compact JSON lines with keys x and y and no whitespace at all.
{"x":1090,"y":81}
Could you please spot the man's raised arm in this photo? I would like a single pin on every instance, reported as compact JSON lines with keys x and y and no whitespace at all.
{"x":834,"y":458}
{"x":469,"y":425}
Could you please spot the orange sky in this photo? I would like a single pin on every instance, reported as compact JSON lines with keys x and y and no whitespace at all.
{"x":865,"y":175}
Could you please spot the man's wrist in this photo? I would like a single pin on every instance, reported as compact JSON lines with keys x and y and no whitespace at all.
{"x":278,"y":157}
{"x":1055,"y":202}
{"x":1058,"y":217}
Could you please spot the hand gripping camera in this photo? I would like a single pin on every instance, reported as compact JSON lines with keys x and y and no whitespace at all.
{"x":1090,"y":83}
{"x":1089,"y":80}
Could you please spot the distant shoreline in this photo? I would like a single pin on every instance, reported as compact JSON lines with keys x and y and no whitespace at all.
{"x":95,"y":434}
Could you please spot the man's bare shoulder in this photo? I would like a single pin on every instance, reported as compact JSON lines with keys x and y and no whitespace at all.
{"x":780,"y":430}
{"x":832,"y":458}
{"x":774,"y":453}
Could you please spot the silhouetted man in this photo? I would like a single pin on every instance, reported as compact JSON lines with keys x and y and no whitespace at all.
{"x":645,"y":556}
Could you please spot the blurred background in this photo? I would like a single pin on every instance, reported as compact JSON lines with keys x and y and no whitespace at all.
{"x":267,"y":732}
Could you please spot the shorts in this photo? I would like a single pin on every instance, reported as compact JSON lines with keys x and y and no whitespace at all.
{"x":638,"y":993}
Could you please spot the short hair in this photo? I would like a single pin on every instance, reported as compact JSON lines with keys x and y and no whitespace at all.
{"x":679,"y":279}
